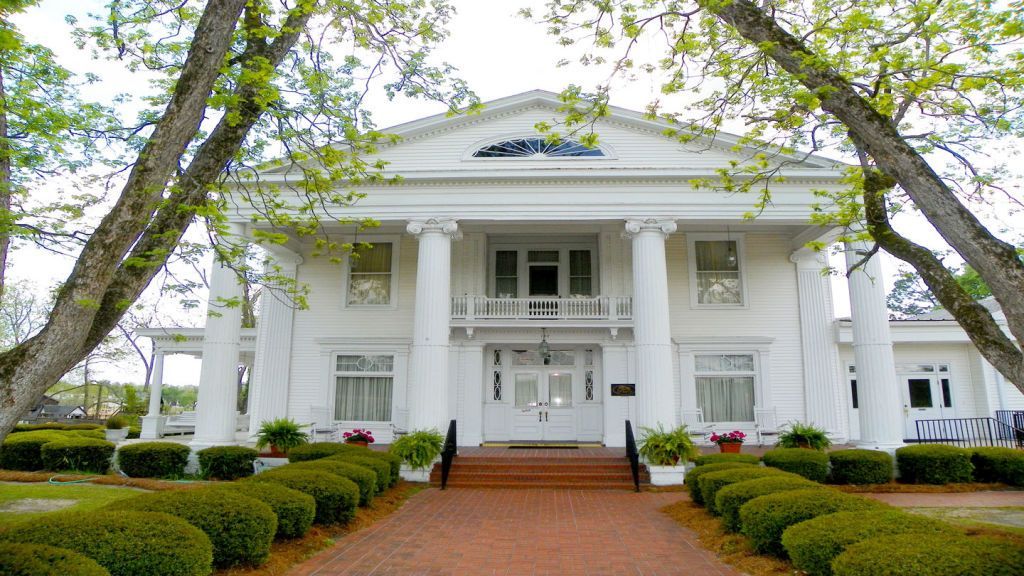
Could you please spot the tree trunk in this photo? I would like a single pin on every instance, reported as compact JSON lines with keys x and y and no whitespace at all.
{"x":5,"y":186}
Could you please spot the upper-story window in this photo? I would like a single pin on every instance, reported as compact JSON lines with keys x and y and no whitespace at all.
{"x":535,"y":147}
{"x":370,"y":276}
{"x":716,"y":270}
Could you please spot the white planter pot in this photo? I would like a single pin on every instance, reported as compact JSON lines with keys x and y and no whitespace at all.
{"x":410,"y":474}
{"x":264,"y":463}
{"x":115,"y":435}
{"x":667,"y":475}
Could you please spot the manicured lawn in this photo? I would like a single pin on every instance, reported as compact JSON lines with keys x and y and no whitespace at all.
{"x":33,"y":496}
{"x":1006,"y":518}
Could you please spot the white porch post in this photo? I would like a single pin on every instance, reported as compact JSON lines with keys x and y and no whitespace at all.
{"x":153,"y":422}
{"x":428,"y":365}
{"x":881,"y":412}
{"x":818,"y":346}
{"x":651,"y":329}
{"x":271,"y":372}
{"x":218,"y":379}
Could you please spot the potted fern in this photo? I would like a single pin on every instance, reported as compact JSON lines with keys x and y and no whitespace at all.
{"x":419,"y":451}
{"x":800,"y":435}
{"x":281,"y":435}
{"x":666,"y":453}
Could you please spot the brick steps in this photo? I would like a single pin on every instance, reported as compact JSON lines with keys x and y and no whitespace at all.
{"x":596,"y":473}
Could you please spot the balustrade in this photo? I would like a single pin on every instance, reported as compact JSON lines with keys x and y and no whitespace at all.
{"x":471,"y":307}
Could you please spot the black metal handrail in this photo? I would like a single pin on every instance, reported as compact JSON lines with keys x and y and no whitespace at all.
{"x":969,"y":432}
{"x":448,"y":453}
{"x":633,"y":455}
{"x":1013,"y":418}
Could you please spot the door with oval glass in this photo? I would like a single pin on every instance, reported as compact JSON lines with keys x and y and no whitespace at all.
{"x":543,"y":408}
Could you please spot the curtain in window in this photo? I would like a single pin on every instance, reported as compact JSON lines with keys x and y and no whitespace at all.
{"x":370,"y":276}
{"x":527,"y":390}
{"x":726,"y":398}
{"x":363,"y":398}
{"x":718,"y":275}
{"x":560,"y":389}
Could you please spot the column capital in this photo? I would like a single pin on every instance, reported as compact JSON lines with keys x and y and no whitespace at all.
{"x":634,"y":226}
{"x":446,"y":226}
{"x":805,"y":258}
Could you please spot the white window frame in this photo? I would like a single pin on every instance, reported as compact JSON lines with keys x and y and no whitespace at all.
{"x":741,"y":259}
{"x":396,"y":249}
{"x":336,"y":374}
{"x":760,"y":348}
{"x":467,"y":155}
{"x":331,"y":348}
{"x":523,"y":265}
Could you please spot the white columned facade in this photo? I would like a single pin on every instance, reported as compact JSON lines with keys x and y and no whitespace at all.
{"x":218,"y":379}
{"x":651,"y":329}
{"x":818,"y":347}
{"x":428,"y":363}
{"x":878,"y":394}
{"x":271,"y":373}
{"x":153,"y":422}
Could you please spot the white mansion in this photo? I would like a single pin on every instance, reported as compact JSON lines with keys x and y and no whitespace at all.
{"x":538,"y":292}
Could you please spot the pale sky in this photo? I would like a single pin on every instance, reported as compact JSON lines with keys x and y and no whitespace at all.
{"x":496,"y":51}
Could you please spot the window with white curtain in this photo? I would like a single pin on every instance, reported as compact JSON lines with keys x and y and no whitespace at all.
{"x":370,"y":274}
{"x":725,"y":386}
{"x":363,"y":386}
{"x":717,"y":275}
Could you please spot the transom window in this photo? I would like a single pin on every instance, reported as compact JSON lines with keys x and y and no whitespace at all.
{"x":370,"y":275}
{"x":725,"y":386}
{"x":535,"y":147}
{"x":363,"y":387}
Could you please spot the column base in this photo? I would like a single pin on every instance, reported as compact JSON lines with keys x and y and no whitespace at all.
{"x":152,"y":427}
{"x":198,"y":444}
{"x":889,"y":447}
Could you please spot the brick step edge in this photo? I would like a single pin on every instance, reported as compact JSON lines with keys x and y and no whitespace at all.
{"x":540,"y":467}
{"x":550,"y":485}
{"x":539,"y":460}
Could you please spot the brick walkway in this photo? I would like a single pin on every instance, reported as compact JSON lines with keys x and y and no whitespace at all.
{"x":469,"y":531}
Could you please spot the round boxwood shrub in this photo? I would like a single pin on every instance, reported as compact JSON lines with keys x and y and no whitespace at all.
{"x":765,"y":518}
{"x":320,"y":450}
{"x":860,"y":466}
{"x":692,"y":479}
{"x":998,"y":465}
{"x":364,"y":477}
{"x":40,"y":560}
{"x":79,"y":454}
{"x":720,"y":458}
{"x":125,"y":543}
{"x":731,"y":497}
{"x":98,"y":434}
{"x":711,"y":483}
{"x":934,"y":464}
{"x":930,"y":555}
{"x":294,"y":510}
{"x":813,"y":544}
{"x":810,"y":464}
{"x":23,"y":451}
{"x":83,"y":427}
{"x":153,"y":459}
{"x":336,"y":497}
{"x":241,"y":528}
{"x":380,"y":467}
{"x":393,"y":460}
{"x":227,"y":462}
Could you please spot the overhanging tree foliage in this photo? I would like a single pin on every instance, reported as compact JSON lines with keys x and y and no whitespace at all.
{"x":918,"y":91}
{"x":236,"y":81}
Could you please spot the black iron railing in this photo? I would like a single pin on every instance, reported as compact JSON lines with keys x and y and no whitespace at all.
{"x":1014,"y":419}
{"x":969,"y":432}
{"x":448,"y":453}
{"x":634,"y":457}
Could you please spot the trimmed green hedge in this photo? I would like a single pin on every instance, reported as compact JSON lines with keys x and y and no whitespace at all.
{"x":723,"y":457}
{"x":998,"y":465}
{"x":153,"y":459}
{"x":692,"y":479}
{"x":241,"y":528}
{"x":125,"y":543}
{"x":23,"y":451}
{"x":765,"y":518}
{"x":336,"y":497}
{"x":393,"y":460}
{"x":813,"y":544}
{"x":730,"y":498}
{"x":294,"y":510}
{"x":41,"y":560}
{"x":318,"y":450}
{"x":858,"y":466}
{"x":934,"y":464}
{"x":381,"y":467}
{"x":711,"y":483}
{"x":227,"y":462}
{"x":83,"y":427}
{"x":364,"y":477}
{"x":930,"y":555}
{"x":810,"y":464}
{"x":78,"y":454}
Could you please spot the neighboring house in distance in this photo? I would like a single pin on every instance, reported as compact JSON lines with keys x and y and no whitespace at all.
{"x":550,"y":292}
{"x":47,"y":409}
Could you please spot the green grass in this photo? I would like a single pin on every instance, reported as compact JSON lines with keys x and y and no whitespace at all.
{"x":87,"y":497}
{"x":1006,"y":518}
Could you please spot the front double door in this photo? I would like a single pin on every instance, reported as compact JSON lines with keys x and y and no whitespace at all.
{"x":543,"y":408}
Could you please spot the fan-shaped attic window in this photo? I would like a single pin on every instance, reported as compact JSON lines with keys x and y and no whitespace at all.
{"x":536,"y":147}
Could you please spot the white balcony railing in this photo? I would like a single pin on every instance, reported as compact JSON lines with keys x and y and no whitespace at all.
{"x":551,"y":308}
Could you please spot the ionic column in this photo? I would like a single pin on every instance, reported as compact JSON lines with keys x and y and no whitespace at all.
{"x":153,"y":422}
{"x":218,"y":379}
{"x":428,"y":362}
{"x":271,"y":372}
{"x":881,"y":412}
{"x":818,"y":347}
{"x":652,"y":335}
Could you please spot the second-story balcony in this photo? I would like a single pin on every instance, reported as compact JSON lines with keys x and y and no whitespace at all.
{"x":597,"y":311}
